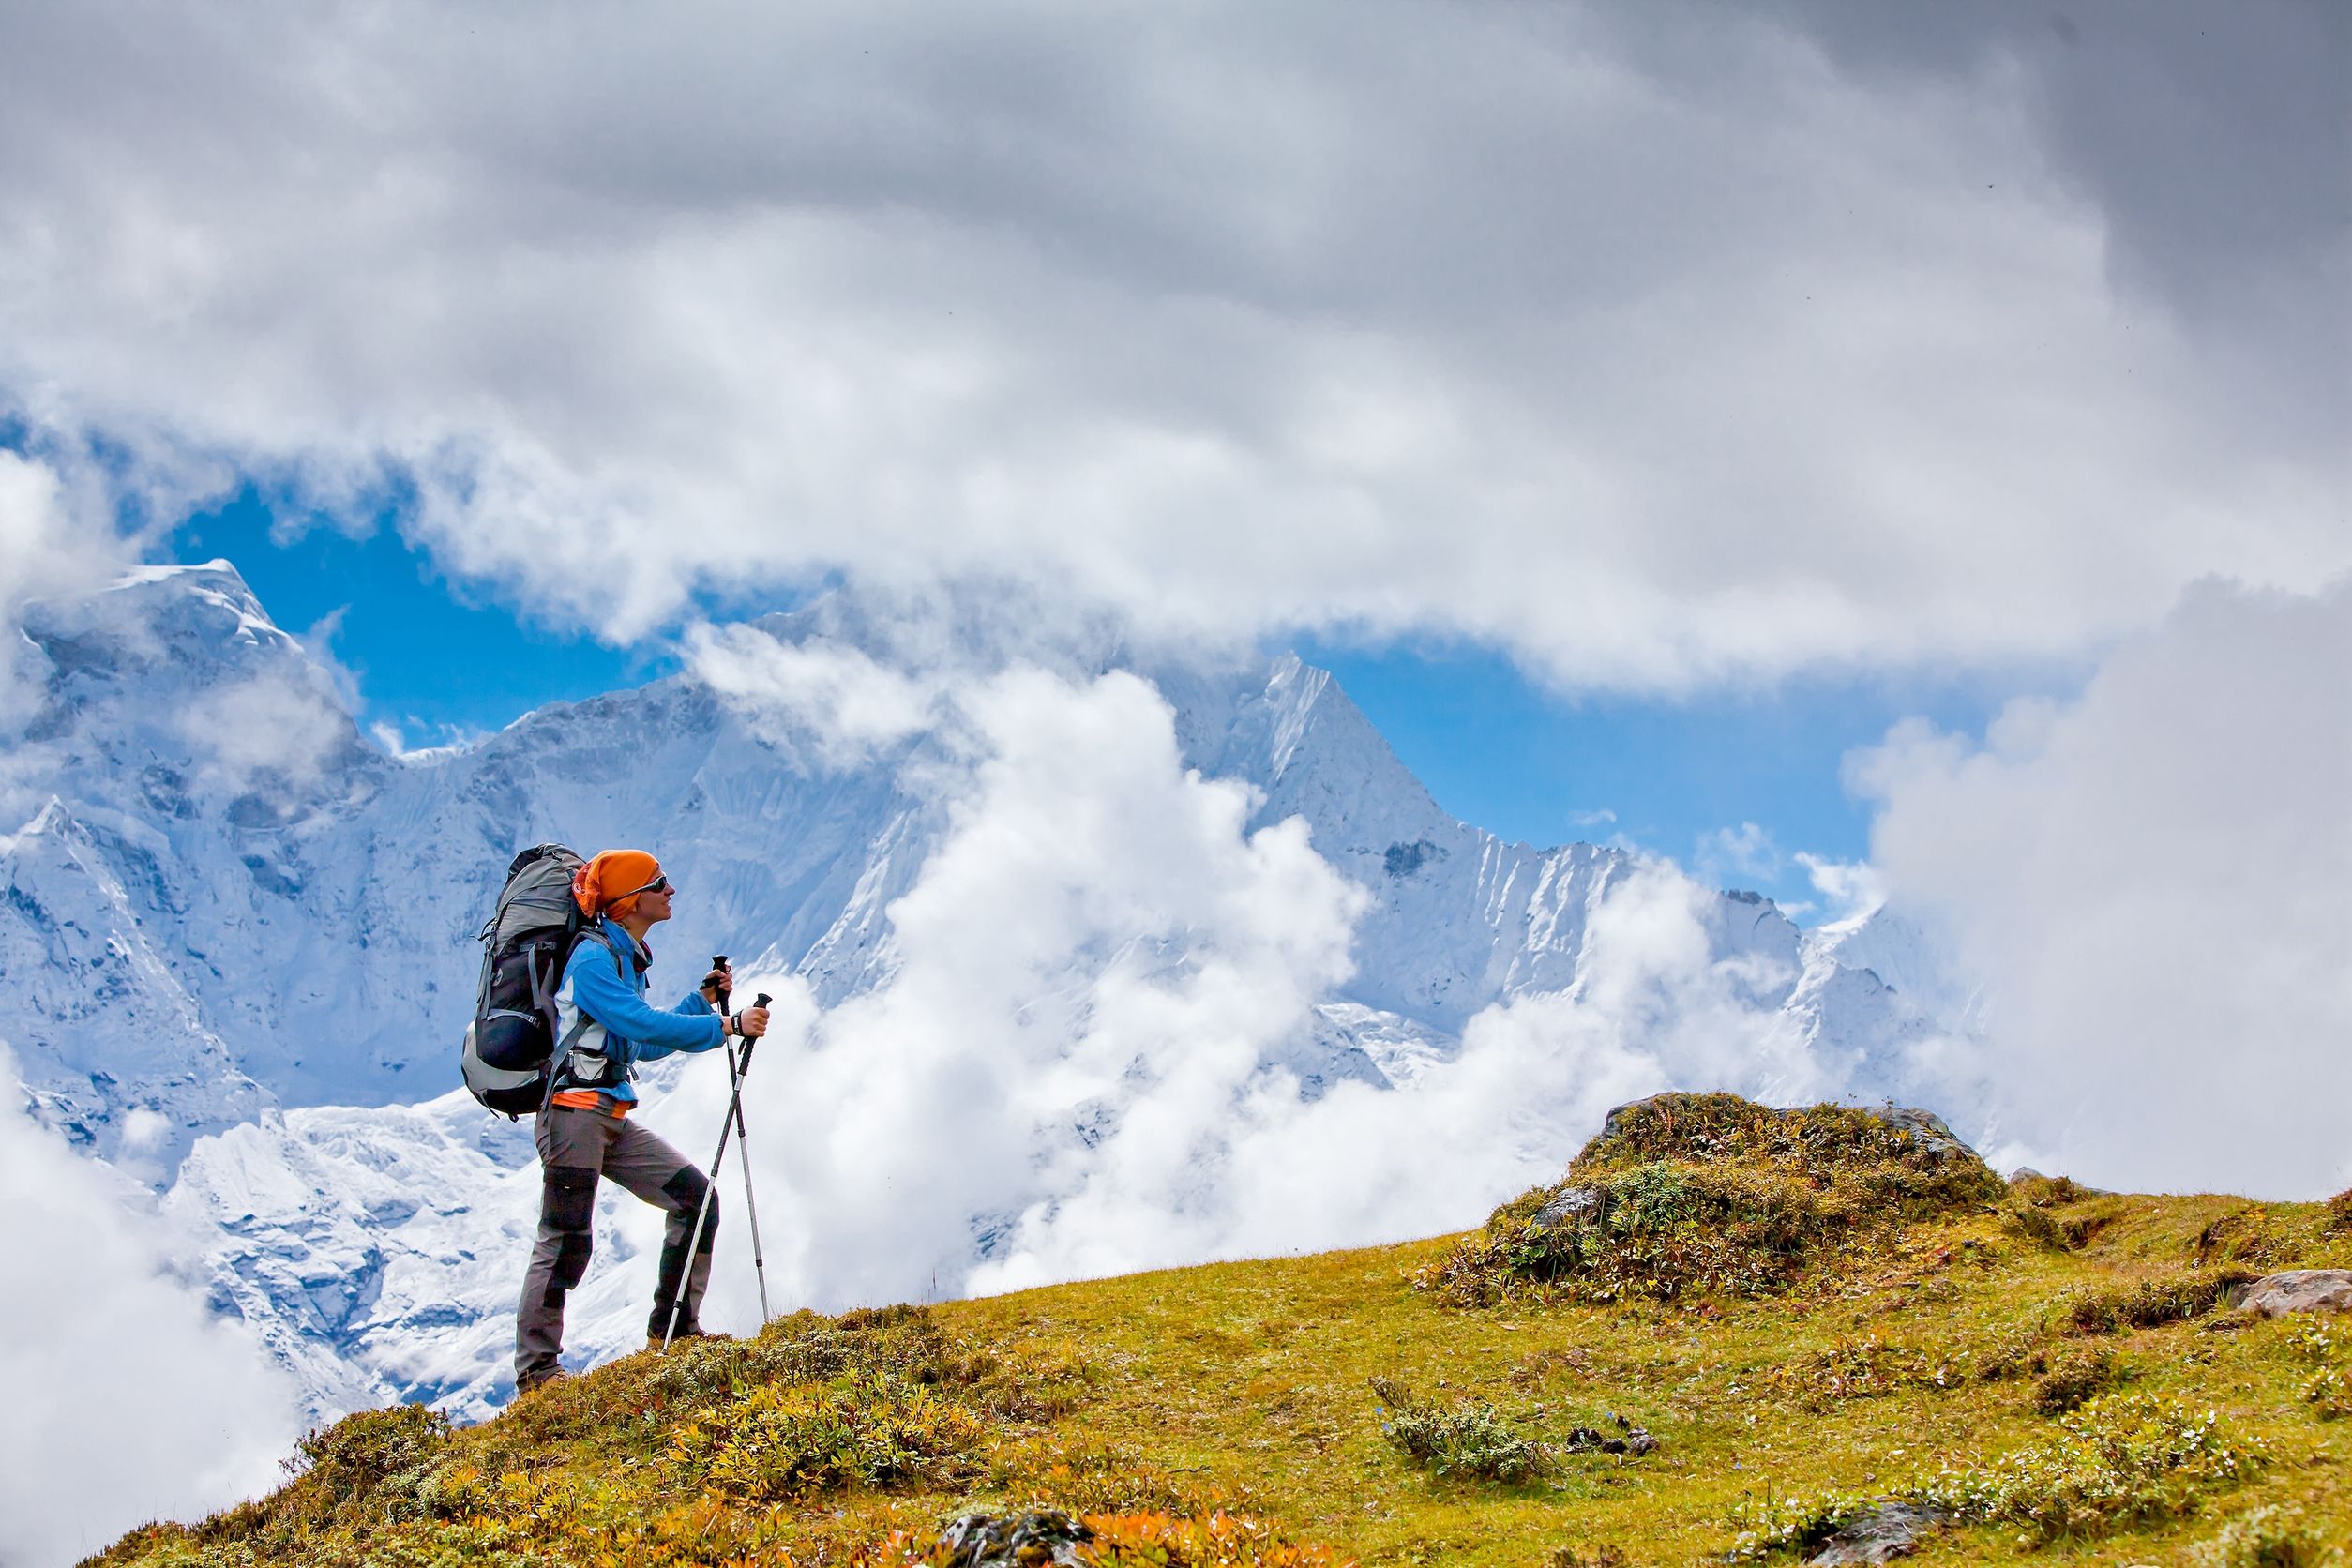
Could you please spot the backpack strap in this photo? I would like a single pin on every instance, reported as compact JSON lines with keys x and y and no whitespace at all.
{"x":588,"y":931}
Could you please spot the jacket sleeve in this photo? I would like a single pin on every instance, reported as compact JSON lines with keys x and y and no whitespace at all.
{"x":604,"y":997}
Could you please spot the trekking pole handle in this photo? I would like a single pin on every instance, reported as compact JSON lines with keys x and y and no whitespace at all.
{"x":751,"y":1040}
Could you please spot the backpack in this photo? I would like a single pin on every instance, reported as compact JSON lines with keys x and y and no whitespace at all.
{"x":526,"y":944}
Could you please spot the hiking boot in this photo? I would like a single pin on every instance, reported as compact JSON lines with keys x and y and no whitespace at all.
{"x":531,"y":1380}
{"x":653,"y":1341}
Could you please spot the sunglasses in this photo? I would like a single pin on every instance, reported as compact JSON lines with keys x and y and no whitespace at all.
{"x":660,"y":884}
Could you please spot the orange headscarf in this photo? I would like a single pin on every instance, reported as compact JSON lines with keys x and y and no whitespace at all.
{"x":605,"y":885}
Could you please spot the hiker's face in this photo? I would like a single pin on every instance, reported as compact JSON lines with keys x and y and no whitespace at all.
{"x":654,"y":904}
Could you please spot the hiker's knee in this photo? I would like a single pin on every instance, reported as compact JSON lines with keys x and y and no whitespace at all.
{"x":688,"y":1193}
{"x":567,"y":1211}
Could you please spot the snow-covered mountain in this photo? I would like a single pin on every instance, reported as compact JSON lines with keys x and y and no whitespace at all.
{"x":238,"y":939}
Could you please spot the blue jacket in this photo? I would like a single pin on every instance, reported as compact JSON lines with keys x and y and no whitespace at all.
{"x":604,"y":1025}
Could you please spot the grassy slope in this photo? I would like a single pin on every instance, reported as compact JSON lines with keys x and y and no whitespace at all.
{"x":1245,"y":1383}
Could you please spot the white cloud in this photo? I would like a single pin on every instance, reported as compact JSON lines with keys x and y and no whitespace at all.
{"x":2149,"y":881}
{"x":831,"y":699}
{"x":1656,"y":353}
{"x":1747,"y":850}
{"x":286,"y":720}
{"x":1038,"y":978}
{"x":1854,"y":888}
{"x":1040,"y":990}
{"x":48,"y":545}
{"x":98,"y":1319}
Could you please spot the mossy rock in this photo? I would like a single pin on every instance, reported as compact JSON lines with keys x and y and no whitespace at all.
{"x":1713,"y":1193}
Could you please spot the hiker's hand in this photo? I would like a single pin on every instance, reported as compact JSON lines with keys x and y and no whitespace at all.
{"x":717,"y":984}
{"x":751,"y":1022}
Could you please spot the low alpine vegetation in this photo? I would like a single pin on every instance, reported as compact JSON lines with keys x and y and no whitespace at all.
{"x":2273,"y":1537}
{"x":2122,"y":1458}
{"x":782,"y":1442}
{"x":1862,"y":1366}
{"x":2150,"y":1302}
{"x":1462,"y":1438}
{"x":2075,"y":1376}
{"x":1688,"y":1194}
{"x":1879,"y":1345}
{"x":2328,"y":1390}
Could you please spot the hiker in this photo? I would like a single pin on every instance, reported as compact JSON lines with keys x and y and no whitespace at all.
{"x":604,"y":1028}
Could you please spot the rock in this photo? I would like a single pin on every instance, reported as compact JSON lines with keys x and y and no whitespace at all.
{"x":1928,"y":1130}
{"x":1575,"y":1203}
{"x":1890,"y":1531}
{"x":1636,"y":1441}
{"x":2300,"y":1290}
{"x":1030,"y":1540}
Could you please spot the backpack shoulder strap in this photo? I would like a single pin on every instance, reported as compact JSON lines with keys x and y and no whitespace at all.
{"x":595,"y":934}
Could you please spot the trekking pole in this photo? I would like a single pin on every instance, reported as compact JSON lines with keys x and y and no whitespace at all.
{"x":742,"y":1133}
{"x":702,"y":1213}
{"x":743,"y":1151}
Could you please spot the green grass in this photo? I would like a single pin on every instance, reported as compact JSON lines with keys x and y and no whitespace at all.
{"x":1228,"y":1414}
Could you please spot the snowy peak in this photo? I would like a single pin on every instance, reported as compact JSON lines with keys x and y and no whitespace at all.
{"x":114,"y":1052}
{"x":196,"y":618}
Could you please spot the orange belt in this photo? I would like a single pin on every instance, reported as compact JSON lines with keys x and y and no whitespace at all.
{"x":591,"y":1099}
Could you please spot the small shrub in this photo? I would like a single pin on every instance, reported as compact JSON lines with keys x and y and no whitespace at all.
{"x":2048,"y":1192}
{"x":2120,"y":1458}
{"x":1466,"y":1438}
{"x":2237,"y":1237}
{"x":1770,"y":1525}
{"x":1219,"y":1541}
{"x":1863,"y":1369}
{"x":2328,"y":1390}
{"x":2146,"y":1303}
{"x":2040,"y":1225}
{"x":1598,"y":1557}
{"x":781,"y":1442}
{"x":2273,"y":1537}
{"x":1101,"y":1480}
{"x":2337,"y":1218}
{"x":2072,"y":1377}
{"x":2016,"y":1354}
{"x":342,"y":1466}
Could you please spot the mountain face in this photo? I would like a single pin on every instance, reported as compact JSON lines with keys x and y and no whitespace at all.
{"x":239,"y":942}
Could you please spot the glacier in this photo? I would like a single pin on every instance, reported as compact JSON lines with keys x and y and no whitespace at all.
{"x":238,"y":939}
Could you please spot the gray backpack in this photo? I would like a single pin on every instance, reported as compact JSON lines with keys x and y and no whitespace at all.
{"x":525,"y":943}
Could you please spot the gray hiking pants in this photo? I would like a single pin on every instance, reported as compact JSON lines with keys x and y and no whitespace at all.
{"x":575,"y":1147}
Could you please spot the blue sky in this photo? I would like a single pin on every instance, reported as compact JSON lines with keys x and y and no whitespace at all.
{"x":436,"y":658}
{"x":441,"y":660}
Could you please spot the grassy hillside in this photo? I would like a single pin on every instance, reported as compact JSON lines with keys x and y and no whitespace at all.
{"x":1796,"y":1313}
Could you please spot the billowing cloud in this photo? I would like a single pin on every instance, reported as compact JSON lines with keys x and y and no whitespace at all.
{"x":2149,"y":881}
{"x":1090,"y":974}
{"x":285,"y":721}
{"x":1658,"y":353}
{"x":48,"y":545}
{"x":128,"y":1400}
{"x":836,"y":702}
{"x":1852,"y":889}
